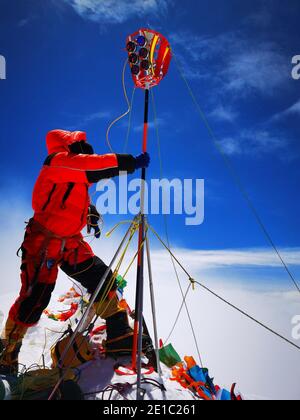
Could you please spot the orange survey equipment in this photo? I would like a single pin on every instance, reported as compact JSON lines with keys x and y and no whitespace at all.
{"x":149,"y":57}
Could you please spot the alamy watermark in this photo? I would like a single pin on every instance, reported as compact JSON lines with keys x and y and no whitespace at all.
{"x":296,"y":67}
{"x":296,"y":327}
{"x":2,"y":67}
{"x":178,"y":197}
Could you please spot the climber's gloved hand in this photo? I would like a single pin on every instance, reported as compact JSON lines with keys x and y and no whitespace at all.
{"x":93,"y":221}
{"x":142,"y":161}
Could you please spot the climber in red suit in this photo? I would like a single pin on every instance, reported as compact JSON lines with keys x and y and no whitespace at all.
{"x":53,"y":240}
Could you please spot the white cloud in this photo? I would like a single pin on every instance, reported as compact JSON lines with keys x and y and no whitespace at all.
{"x":261,"y":18}
{"x":221,"y":113}
{"x":231,"y":146}
{"x":26,"y":21}
{"x":117,"y":11}
{"x":211,"y":259}
{"x":232,"y":62}
{"x":96,"y":116}
{"x":262,"y":69}
{"x":236,"y":67}
{"x":23,"y":22}
{"x":256,"y":143}
{"x":293,"y":110}
{"x":160,"y":122}
{"x":200,"y":48}
{"x":232,"y":347}
{"x":85,"y":120}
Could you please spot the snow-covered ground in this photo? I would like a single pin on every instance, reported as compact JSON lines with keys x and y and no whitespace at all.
{"x":232,"y":347}
{"x":97,"y":374}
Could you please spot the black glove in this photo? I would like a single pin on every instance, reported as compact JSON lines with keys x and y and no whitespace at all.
{"x":142,"y":161}
{"x":93,"y":221}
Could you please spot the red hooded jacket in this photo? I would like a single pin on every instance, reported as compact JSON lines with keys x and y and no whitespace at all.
{"x":60,"y":197}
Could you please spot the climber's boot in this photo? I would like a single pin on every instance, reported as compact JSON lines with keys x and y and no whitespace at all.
{"x":10,"y":346}
{"x":119,"y":333}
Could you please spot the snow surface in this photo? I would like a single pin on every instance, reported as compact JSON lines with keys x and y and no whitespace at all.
{"x":96,"y":375}
{"x":232,"y":347}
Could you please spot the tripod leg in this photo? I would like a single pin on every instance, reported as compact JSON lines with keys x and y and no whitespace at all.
{"x":92,"y":301}
{"x":153,"y":304}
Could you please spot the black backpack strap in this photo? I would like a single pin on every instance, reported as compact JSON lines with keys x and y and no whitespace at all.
{"x":49,"y":197}
{"x":49,"y":159}
{"x":67,"y":194}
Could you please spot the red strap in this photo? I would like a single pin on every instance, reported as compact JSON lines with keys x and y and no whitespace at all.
{"x":147,"y":370}
{"x":98,"y":330}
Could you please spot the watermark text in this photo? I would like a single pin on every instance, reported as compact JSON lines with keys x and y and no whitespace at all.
{"x":296,"y":68}
{"x":2,"y":67}
{"x":162,"y":197}
{"x":296,"y":328}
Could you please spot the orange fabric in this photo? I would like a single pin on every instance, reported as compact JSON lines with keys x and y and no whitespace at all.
{"x":69,"y":218}
{"x":60,"y":203}
{"x":59,"y":140}
{"x":190,"y":362}
{"x":37,"y":250}
{"x":66,"y":167}
{"x":181,"y":376}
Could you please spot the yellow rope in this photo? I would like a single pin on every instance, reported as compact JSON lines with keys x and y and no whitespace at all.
{"x":83,"y":271}
{"x":125,"y":113}
{"x":117,"y":269}
{"x":111,"y":283}
{"x":135,"y":226}
{"x":136,"y":254}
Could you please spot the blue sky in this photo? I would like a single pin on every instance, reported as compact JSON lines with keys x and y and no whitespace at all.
{"x":64,"y":63}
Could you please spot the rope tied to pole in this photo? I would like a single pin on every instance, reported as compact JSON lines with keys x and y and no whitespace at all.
{"x":234,"y":174}
{"x":124,"y":114}
{"x":236,"y":308}
{"x":167,"y":234}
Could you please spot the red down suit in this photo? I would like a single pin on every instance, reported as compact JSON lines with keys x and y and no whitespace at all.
{"x":53,"y":236}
